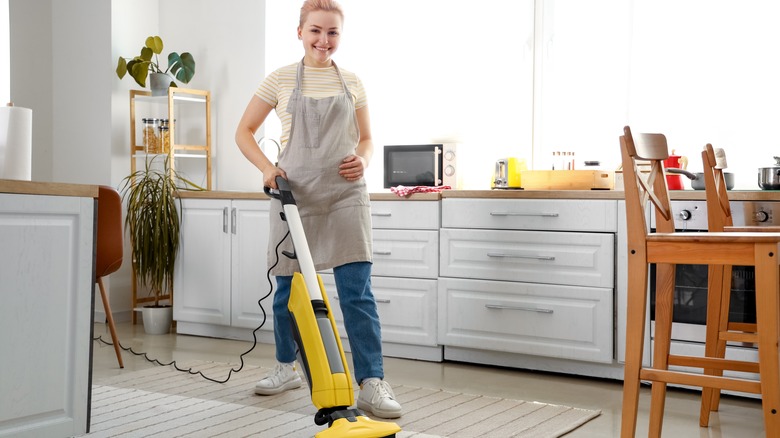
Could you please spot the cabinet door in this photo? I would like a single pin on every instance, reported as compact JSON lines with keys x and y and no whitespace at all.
{"x":202,"y":283}
{"x":579,"y":259}
{"x":407,"y":309}
{"x":537,"y":319}
{"x":249,"y":267}
{"x":406,"y":253}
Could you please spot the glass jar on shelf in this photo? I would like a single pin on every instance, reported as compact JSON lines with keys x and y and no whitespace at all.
{"x":149,"y":135}
{"x":165,"y":139}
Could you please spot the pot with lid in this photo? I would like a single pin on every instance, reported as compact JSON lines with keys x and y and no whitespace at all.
{"x":769,"y":177}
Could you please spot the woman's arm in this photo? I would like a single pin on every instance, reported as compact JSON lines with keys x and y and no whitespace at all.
{"x":354,"y":166}
{"x":255,"y":114}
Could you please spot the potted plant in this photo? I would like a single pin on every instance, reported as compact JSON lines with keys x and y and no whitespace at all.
{"x":147,"y":64}
{"x":154,"y":223}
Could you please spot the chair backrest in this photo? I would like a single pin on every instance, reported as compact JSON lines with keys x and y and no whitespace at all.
{"x":718,"y":206}
{"x":643,"y":189}
{"x":109,"y":232}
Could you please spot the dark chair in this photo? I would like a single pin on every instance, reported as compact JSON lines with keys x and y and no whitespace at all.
{"x":109,"y":252}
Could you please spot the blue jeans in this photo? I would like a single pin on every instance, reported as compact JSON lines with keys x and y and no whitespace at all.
{"x":353,"y":284}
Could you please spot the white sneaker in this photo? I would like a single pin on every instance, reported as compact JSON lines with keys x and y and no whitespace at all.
{"x":282,"y":378}
{"x":376,"y":397}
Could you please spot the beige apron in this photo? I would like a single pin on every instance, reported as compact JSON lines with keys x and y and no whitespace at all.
{"x":336,"y":213}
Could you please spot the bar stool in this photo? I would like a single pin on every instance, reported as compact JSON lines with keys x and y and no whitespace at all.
{"x":666,"y":249}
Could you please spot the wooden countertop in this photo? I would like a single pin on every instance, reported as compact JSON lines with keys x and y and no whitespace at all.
{"x":221,"y":194}
{"x":48,"y":188}
{"x":87,"y":190}
{"x":687,"y":195}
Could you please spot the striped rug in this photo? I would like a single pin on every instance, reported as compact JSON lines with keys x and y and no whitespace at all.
{"x":163,"y":402}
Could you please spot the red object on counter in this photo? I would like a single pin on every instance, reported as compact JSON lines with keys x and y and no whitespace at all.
{"x":674,"y":182}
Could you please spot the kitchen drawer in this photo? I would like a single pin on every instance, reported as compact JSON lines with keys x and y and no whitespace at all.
{"x":530,"y":214}
{"x":407,"y":309}
{"x":578,"y":259}
{"x":419,"y":215}
{"x":406,"y":253}
{"x":541,"y":320}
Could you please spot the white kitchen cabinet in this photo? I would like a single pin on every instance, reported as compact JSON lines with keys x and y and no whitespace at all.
{"x":528,"y":276}
{"x":221,"y":268}
{"x":404,"y":278}
{"x":559,"y":321}
{"x":407,"y":310}
{"x":47,"y":262}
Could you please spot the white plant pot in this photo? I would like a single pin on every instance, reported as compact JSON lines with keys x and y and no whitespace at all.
{"x":159,"y":83}
{"x":157,"y":320}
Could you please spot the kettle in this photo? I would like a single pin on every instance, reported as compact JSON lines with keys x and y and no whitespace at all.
{"x":674,"y":182}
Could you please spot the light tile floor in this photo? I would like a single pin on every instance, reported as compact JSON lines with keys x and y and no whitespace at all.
{"x":738,"y":417}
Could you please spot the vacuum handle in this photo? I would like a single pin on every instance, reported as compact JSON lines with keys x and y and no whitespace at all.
{"x":283,"y":193}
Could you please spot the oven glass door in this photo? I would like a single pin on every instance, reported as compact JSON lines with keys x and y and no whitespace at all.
{"x":690,"y":297}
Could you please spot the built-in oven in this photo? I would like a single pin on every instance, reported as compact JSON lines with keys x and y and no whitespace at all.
{"x":689,"y":313}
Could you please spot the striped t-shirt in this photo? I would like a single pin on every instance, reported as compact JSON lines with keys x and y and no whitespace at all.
{"x":318,"y":83}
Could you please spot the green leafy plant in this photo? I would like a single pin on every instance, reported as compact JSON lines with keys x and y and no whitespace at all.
{"x":182,"y":67}
{"x":154,"y":223}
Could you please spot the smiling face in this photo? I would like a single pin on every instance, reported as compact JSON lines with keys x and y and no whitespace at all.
{"x":320,"y":34}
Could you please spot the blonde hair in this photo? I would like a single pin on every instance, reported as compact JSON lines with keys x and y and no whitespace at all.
{"x":319,"y":5}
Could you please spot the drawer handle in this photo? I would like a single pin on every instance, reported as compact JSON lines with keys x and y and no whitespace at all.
{"x":509,"y":213}
{"x":525,"y":309}
{"x":382,"y":214}
{"x":383,"y":252}
{"x":516,"y":256}
{"x":382,"y":301}
{"x":225,"y":220}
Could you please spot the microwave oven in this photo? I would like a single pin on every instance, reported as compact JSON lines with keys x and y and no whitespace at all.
{"x":420,"y":165}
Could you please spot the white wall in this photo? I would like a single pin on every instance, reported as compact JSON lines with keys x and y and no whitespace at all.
{"x":226,"y":39}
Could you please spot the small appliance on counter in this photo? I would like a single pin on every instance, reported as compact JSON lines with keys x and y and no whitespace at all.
{"x":507,"y":173}
{"x":421,"y":165}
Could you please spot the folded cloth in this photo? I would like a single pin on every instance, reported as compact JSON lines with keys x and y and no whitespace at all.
{"x":406,"y":191}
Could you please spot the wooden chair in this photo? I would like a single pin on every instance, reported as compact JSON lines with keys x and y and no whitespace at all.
{"x":719,"y":328}
{"x":666,"y":248}
{"x":108,"y":255}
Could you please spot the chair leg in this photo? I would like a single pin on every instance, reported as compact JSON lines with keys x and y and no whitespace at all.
{"x":719,"y":286}
{"x":768,"y":324}
{"x":110,"y":318}
{"x":636,"y":308}
{"x":664,"y":301}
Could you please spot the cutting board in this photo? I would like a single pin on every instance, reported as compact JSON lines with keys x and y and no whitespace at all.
{"x":567,"y":179}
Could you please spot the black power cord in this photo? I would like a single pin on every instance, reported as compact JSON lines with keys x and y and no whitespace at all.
{"x":240,"y":357}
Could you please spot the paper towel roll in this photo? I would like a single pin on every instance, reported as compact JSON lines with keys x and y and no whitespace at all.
{"x":15,"y":143}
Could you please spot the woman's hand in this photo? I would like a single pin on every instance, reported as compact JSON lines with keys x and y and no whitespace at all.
{"x":269,"y":177}
{"x":353,"y":167}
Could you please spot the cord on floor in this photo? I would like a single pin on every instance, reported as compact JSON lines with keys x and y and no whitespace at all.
{"x":240,"y":357}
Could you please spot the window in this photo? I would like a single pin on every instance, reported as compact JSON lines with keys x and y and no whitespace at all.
{"x":530,"y":77}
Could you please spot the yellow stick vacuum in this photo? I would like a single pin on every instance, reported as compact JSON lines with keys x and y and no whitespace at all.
{"x":319,"y":346}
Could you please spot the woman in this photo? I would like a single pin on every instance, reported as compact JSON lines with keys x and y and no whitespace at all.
{"x":326,"y":148}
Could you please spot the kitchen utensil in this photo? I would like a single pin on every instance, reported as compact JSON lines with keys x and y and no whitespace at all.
{"x":674,"y":182}
{"x":568,"y":179}
{"x":698,"y":182}
{"x":769,"y":177}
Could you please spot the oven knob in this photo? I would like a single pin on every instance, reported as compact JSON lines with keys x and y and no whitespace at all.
{"x":685,"y":215}
{"x":449,"y":155}
{"x":449,"y":170}
{"x":760,"y":216}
